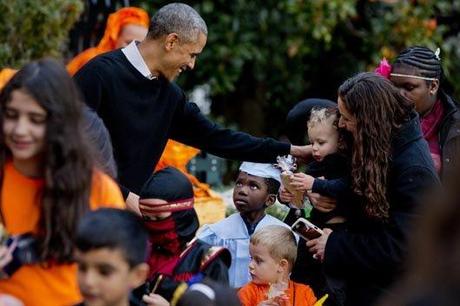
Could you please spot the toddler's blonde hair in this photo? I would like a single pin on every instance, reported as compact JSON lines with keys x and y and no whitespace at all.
{"x":280,"y":242}
{"x":323,"y":115}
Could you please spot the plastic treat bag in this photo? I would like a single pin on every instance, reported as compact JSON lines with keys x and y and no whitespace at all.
{"x":277,"y":294}
{"x":287,"y":165}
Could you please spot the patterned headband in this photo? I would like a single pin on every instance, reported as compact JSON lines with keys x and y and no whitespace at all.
{"x":413,"y":76}
{"x":149,"y":205}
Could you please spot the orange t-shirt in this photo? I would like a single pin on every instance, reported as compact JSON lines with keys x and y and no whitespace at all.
{"x":33,"y":284}
{"x":299,"y":294}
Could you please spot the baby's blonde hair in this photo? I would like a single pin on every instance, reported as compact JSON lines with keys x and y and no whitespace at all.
{"x":323,"y":115}
{"x":279,"y":240}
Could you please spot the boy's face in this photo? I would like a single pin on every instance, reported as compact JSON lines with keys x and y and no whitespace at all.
{"x":250,"y":193}
{"x":105,"y":277}
{"x":324,"y":140}
{"x":263,"y":268}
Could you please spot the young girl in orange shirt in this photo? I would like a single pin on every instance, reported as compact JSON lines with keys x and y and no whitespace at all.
{"x":48,"y":181}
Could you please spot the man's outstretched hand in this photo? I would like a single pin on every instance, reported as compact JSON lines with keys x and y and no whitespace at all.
{"x":301,"y":153}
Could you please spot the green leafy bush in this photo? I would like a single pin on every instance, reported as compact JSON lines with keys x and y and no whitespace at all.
{"x":31,"y":29}
{"x":263,"y":56}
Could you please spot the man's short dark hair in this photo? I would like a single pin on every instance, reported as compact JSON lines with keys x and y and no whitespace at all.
{"x":177,"y":18}
{"x":115,"y":229}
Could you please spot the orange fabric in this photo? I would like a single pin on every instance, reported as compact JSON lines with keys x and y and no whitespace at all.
{"x":33,"y":284}
{"x":115,"y":23}
{"x":299,"y":294}
{"x":5,"y":75}
{"x":177,"y":155}
{"x":210,"y":207}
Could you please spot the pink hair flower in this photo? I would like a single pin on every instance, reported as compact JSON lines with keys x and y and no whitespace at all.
{"x":384,"y":68}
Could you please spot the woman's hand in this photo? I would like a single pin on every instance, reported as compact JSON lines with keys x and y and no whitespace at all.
{"x":322,"y":203}
{"x":302,"y":182}
{"x":154,"y":300}
{"x":285,"y":196}
{"x":318,"y":245}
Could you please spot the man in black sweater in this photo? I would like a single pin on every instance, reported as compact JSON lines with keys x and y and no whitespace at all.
{"x":132,"y":91}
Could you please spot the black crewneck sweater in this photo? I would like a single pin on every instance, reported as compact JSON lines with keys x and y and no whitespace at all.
{"x":142,"y":114}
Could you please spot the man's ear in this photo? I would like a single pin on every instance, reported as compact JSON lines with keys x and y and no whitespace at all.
{"x":171,"y":40}
{"x":271,"y":199}
{"x":138,"y":275}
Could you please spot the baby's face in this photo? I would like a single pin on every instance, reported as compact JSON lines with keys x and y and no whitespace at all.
{"x":324,"y":140}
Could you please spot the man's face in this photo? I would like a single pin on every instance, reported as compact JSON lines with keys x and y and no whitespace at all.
{"x":105,"y":277}
{"x":250,"y":193}
{"x":181,"y":56}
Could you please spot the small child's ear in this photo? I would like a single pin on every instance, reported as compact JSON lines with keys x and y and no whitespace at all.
{"x":271,"y":199}
{"x":283,"y":265}
{"x":138,"y":275}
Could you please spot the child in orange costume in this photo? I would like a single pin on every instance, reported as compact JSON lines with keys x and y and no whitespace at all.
{"x":273,"y":253}
{"x":123,"y":26}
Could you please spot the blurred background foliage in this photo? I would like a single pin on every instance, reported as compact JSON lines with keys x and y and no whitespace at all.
{"x":30,"y":29}
{"x":263,"y":56}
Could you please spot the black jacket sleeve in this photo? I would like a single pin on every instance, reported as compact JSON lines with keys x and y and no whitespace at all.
{"x":380,"y":247}
{"x":194,"y":129}
{"x":331,"y":188}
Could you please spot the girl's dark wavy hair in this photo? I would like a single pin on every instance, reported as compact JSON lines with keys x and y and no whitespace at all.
{"x":67,"y":163}
{"x":380,"y":110}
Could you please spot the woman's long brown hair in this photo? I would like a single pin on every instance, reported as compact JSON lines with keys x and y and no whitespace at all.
{"x":380,"y":110}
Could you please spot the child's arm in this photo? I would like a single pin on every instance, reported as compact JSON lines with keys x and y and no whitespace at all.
{"x":333,"y":188}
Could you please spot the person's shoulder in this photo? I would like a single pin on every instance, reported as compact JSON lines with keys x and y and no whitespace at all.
{"x":304,"y":291}
{"x":223,"y":228}
{"x":213,"y":229}
{"x":103,"y":63}
{"x":302,"y":287}
{"x":270,"y":220}
{"x":249,"y":288}
{"x":176,"y":92}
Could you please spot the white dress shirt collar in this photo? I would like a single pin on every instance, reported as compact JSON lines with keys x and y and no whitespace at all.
{"x":133,"y":55}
